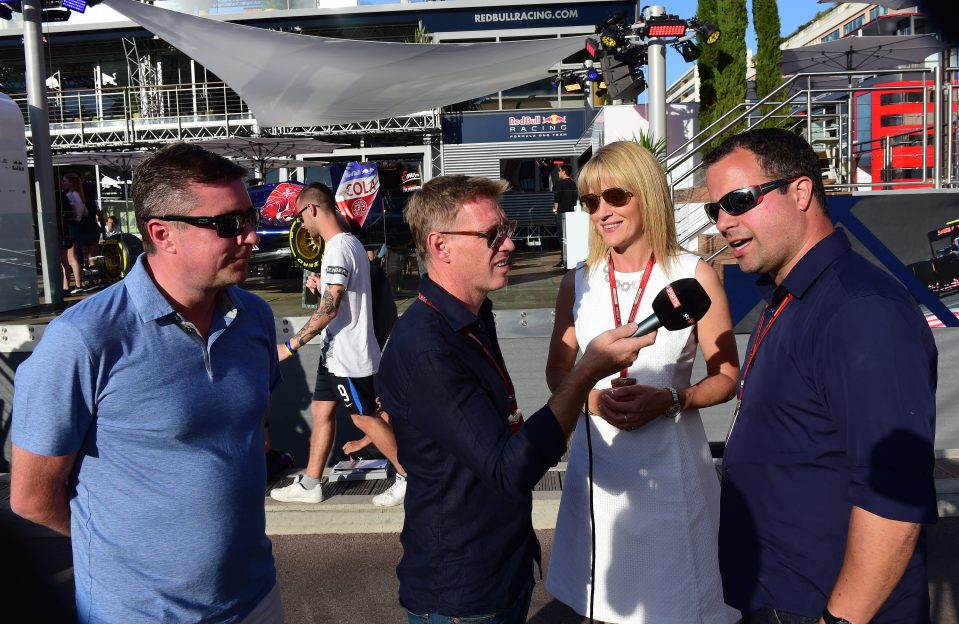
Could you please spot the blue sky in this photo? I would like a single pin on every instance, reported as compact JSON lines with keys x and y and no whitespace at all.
{"x":792,"y":13}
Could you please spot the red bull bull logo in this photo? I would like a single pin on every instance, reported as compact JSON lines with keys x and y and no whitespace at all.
{"x":538,"y":126}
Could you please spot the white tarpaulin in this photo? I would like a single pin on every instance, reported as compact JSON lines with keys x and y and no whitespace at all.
{"x":299,"y":80}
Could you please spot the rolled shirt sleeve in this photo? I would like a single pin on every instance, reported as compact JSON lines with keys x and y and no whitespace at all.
{"x":881,"y":393}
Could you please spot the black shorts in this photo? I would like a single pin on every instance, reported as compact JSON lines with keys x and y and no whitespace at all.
{"x":356,"y":394}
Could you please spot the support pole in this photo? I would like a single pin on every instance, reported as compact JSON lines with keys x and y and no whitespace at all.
{"x":42,"y":158}
{"x":656,"y":82}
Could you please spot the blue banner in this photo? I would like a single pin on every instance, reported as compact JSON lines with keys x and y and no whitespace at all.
{"x":522,"y":125}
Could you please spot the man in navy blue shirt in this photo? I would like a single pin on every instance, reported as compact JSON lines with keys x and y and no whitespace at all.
{"x":827,"y":474}
{"x":468,"y":537}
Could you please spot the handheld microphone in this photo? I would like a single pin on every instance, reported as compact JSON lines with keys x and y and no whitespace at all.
{"x":677,"y":306}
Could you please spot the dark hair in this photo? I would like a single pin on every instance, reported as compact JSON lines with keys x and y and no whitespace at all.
{"x":162,"y":182}
{"x":567,"y":169}
{"x":319,"y":195}
{"x":780,"y":153}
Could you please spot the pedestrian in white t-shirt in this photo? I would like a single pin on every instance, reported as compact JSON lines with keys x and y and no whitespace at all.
{"x":350,"y":353}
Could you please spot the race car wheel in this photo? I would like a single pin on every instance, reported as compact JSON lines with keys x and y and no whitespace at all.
{"x":307,"y":251}
{"x":119,"y":253}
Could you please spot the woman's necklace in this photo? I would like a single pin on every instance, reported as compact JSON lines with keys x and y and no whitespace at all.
{"x":621,"y":284}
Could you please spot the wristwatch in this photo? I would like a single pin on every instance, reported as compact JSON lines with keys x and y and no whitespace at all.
{"x":675,"y":408}
{"x":829,"y":618}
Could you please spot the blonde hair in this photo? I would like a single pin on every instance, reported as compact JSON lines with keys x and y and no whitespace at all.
{"x":631,"y":167}
{"x":436,"y":206}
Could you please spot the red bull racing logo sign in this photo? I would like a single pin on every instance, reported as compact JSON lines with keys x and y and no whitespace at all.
{"x":538,"y":126}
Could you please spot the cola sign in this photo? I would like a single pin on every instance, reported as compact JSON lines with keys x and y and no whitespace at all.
{"x":357,"y":190}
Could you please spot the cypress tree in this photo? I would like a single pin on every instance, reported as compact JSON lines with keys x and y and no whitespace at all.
{"x":707,"y":11}
{"x":731,"y":61}
{"x":768,"y":57}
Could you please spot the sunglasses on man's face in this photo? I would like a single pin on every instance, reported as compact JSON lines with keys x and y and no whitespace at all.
{"x":743,"y":200}
{"x":615,"y":197}
{"x":228,"y":225}
{"x":494,"y":236}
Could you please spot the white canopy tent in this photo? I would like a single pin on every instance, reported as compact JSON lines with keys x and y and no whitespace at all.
{"x":300,"y":80}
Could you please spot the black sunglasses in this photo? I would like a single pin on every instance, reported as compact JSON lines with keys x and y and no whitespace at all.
{"x":743,"y":200}
{"x":614,"y":197}
{"x":494,"y":236}
{"x":227,"y":225}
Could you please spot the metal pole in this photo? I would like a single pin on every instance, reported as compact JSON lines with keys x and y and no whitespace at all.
{"x":938,"y":133}
{"x":656,"y":82}
{"x":42,"y":159}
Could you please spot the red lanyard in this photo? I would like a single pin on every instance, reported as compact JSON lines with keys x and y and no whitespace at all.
{"x":503,"y":374}
{"x":639,"y":294}
{"x":760,"y":335}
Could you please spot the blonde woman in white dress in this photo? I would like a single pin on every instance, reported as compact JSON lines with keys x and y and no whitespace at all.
{"x":655,"y":490}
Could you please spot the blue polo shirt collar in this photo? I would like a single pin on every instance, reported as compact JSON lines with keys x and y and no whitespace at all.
{"x":802,"y":276}
{"x":151,"y":305}
{"x":450,"y":308}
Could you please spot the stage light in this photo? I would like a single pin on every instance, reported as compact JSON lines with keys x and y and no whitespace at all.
{"x":666,"y":28}
{"x":689,"y":50}
{"x":609,"y":41}
{"x":592,"y":75}
{"x":706,"y":30}
{"x":572,"y":84}
{"x":592,"y":47}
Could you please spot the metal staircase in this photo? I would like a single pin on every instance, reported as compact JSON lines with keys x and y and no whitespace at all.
{"x":822,"y":114}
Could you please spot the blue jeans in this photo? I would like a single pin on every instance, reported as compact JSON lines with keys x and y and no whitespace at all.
{"x":768,"y":615}
{"x":515,"y":614}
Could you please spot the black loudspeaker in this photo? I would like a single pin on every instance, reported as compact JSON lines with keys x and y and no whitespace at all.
{"x":621,"y":74}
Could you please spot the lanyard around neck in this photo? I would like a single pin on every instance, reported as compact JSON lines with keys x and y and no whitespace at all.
{"x":614,"y":295}
{"x":761,"y":332}
{"x":503,"y":374}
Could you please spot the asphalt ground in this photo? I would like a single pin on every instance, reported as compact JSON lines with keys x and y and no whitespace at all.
{"x":351,"y":579}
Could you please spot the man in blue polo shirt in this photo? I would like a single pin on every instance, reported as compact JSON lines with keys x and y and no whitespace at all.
{"x":138,"y":420}
{"x":468,"y":541}
{"x":827,"y":474}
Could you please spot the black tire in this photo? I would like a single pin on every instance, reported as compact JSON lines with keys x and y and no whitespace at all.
{"x":307,"y":251}
{"x":119,"y":252}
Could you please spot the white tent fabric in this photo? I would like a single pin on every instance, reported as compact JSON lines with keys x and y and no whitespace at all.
{"x":300,"y":80}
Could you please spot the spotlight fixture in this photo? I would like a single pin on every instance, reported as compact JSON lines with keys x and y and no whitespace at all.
{"x":572,"y":84}
{"x":592,"y":47}
{"x":689,"y":50}
{"x":706,"y":30}
{"x":659,"y":28}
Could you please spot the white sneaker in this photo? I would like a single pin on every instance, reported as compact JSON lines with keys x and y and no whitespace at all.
{"x":394,"y":495}
{"x":297,"y":493}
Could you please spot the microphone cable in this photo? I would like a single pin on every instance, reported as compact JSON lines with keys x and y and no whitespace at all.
{"x":592,"y":510}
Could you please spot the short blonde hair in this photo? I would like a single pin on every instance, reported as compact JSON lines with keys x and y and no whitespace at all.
{"x":436,"y":206}
{"x":631,"y":167}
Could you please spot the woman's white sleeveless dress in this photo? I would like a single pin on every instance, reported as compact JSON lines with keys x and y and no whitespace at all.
{"x":656,"y":491}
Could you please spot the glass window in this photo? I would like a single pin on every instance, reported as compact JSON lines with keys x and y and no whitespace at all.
{"x":855,"y":24}
{"x":904,"y":97}
{"x":878,"y":11}
{"x":831,"y":36}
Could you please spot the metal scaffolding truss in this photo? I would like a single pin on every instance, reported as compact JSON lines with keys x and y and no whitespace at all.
{"x":116,"y":117}
{"x":419,"y":122}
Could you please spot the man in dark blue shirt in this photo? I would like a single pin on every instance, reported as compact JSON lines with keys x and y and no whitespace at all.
{"x":468,"y":537}
{"x":827,"y":474}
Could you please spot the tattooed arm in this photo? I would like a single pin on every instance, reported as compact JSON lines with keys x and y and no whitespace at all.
{"x":325,"y":312}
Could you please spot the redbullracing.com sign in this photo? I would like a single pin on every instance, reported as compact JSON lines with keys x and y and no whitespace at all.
{"x":525,"y":16}
{"x":538,"y":126}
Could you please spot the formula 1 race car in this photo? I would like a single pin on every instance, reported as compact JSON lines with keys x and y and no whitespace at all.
{"x":941,"y":272}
